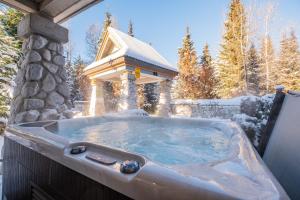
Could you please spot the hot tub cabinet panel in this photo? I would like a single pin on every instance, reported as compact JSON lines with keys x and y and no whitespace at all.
{"x":30,"y":175}
{"x":38,"y":164}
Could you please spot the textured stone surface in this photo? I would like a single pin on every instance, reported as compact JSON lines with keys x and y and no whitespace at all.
{"x":62,"y":108}
{"x":34,"y":56}
{"x":63,"y":89}
{"x":164,"y":107}
{"x":33,"y":104}
{"x":18,"y":104}
{"x":58,"y":79}
{"x":37,"y":41}
{"x":68,"y":114}
{"x":128,"y":99}
{"x":63,"y":74}
{"x":55,"y":99}
{"x":34,"y":72}
{"x":41,"y":95}
{"x":46,"y":54}
{"x":20,"y":117}
{"x":60,"y":49}
{"x":52,"y":46}
{"x":30,"y":89}
{"x":19,"y":81}
{"x":36,"y":24}
{"x":49,"y":83}
{"x":59,"y":60}
{"x":31,"y":116}
{"x":51,"y":67}
{"x":49,"y":114}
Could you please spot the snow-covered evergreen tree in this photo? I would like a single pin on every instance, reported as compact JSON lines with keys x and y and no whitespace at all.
{"x":130,"y":29}
{"x":253,"y":71}
{"x":268,"y":68}
{"x":151,"y":97}
{"x":81,"y":84}
{"x":289,"y":62}
{"x":232,"y":61}
{"x":208,"y":79}
{"x":9,"y":54}
{"x":107,"y":22}
{"x":188,"y":84}
{"x":8,"y":57}
{"x":10,"y":19}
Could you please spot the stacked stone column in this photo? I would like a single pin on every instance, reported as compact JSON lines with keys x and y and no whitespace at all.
{"x":164,"y":107}
{"x":128,"y":99}
{"x":41,"y":92}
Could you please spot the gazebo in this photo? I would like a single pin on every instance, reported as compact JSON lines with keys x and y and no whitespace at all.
{"x":124,"y":58}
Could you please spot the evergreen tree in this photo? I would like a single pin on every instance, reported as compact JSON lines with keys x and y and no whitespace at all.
{"x":10,"y":20}
{"x":8,"y":58}
{"x":9,"y":55}
{"x":268,"y":68}
{"x":188,"y":84}
{"x":232,"y":64}
{"x":130,"y":29}
{"x":253,"y":71}
{"x":207,"y":75}
{"x":81,"y":84}
{"x":107,"y":22}
{"x":151,"y":97}
{"x":289,"y":62}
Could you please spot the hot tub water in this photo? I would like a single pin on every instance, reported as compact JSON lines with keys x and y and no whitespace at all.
{"x":168,"y":144}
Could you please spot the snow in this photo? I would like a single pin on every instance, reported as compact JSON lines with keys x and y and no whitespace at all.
{"x":222,"y":102}
{"x":279,"y":87}
{"x":132,"y":47}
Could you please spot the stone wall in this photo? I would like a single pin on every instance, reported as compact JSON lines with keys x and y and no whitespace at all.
{"x":41,"y":91}
{"x":219,"y":108}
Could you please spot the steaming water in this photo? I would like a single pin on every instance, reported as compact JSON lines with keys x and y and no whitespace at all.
{"x":169,"y":144}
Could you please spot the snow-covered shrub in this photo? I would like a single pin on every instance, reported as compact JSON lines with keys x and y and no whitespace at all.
{"x":254,"y":116}
{"x":249,"y":124}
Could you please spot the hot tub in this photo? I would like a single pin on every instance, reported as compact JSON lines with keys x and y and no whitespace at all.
{"x":164,"y":159}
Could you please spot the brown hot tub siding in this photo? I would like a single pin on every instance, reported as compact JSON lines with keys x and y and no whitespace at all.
{"x":26,"y":171}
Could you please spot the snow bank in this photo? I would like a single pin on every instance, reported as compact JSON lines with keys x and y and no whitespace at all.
{"x":224,"y":102}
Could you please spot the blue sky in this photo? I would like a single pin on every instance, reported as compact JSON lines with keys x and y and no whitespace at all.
{"x":163,"y":22}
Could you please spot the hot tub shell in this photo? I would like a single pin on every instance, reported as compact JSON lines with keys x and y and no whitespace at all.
{"x":40,"y":153}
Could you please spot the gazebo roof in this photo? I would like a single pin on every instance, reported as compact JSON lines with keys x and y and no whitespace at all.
{"x":117,"y":44}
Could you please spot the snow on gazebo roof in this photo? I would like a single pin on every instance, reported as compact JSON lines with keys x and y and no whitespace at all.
{"x":126,"y":45}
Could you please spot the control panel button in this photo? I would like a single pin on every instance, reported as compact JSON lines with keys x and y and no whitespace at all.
{"x":78,"y":149}
{"x":129,"y":166}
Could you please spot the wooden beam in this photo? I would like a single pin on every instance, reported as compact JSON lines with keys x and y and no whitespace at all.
{"x":75,"y":10}
{"x":62,"y":10}
{"x":22,"y":5}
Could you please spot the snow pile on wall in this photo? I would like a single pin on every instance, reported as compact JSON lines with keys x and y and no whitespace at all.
{"x":207,"y":108}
